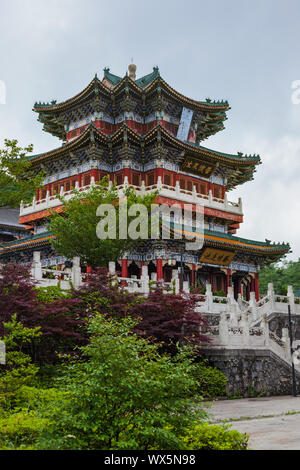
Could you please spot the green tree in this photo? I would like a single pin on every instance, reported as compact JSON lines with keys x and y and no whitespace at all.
{"x":17,"y":180}
{"x":124,"y":396}
{"x":18,"y":369}
{"x":281,"y":275}
{"x":75,"y":229}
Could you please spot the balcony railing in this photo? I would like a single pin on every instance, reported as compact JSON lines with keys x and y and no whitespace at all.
{"x":171,"y":192}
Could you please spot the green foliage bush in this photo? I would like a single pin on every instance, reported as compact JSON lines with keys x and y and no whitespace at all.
{"x":211,"y":382}
{"x":19,"y":430}
{"x":51,"y":293}
{"x":124,"y":396}
{"x":206,"y":436}
{"x":219,"y":293}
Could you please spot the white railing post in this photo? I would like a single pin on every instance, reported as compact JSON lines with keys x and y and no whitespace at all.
{"x":36,"y":266}
{"x":185,"y":287}
{"x":271,"y":296}
{"x":159,"y":183}
{"x":253,"y":306}
{"x":76,"y":272}
{"x":240,"y":204}
{"x":209,"y":298}
{"x":245,"y":326}
{"x":291,"y":298}
{"x":265,"y":327}
{"x":175,"y":280}
{"x":145,"y":280}
{"x":223,"y":329}
{"x":286,"y":339}
{"x":112,"y":268}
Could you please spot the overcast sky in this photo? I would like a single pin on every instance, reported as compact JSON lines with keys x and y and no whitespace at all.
{"x":247,"y":52}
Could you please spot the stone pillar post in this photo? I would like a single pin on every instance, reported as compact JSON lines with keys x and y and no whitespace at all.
{"x":175,"y":280}
{"x":265,"y":326}
{"x":112,"y":268}
{"x":223,"y":329}
{"x":271,"y":296}
{"x":286,"y":339}
{"x":76,"y":272}
{"x":291,"y":298}
{"x":36,"y":267}
{"x":185,"y":287}
{"x":252,"y":304}
{"x":145,"y":280}
{"x":245,"y":326}
{"x":209,"y":298}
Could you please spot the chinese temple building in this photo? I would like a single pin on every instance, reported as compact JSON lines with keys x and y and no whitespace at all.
{"x":143,"y":133}
{"x":10,"y":228}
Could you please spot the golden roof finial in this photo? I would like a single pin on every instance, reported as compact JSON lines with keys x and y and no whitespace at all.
{"x":132,"y":70}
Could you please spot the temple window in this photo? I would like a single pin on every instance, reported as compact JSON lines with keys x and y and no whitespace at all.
{"x":167,"y":179}
{"x":203,"y":188}
{"x":119,"y":179}
{"x":86,"y":180}
{"x":217,"y":192}
{"x":150,"y":179}
{"x":136,"y":179}
{"x":189,"y":185}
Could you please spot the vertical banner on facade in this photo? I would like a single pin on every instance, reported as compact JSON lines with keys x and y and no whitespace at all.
{"x":185,"y":123}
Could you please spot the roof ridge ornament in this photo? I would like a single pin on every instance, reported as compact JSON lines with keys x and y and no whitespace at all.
{"x":132,"y":71}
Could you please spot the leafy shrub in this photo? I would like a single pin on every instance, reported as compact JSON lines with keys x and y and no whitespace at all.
{"x":219,"y":293}
{"x":206,"y":436}
{"x":211,"y":381}
{"x":283,"y":290}
{"x":18,"y":431}
{"x":51,"y":293}
{"x":124,"y":396}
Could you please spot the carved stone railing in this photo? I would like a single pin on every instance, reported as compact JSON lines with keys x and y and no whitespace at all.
{"x":173,"y":192}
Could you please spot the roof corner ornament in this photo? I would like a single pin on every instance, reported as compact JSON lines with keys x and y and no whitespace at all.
{"x":132,"y":71}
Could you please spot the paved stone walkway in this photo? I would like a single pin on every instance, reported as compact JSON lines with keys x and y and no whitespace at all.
{"x":273,"y":423}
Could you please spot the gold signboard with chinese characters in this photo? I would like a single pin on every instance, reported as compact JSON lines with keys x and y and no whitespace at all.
{"x":213,"y":256}
{"x":200,"y":168}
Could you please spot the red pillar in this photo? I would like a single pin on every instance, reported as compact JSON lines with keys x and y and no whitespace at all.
{"x":193,"y":275}
{"x":248,"y":292}
{"x":124,"y":268}
{"x":256,"y":287}
{"x":159,"y":269}
{"x":252,"y":285}
{"x":242,"y":289}
{"x":228,"y":280}
{"x":141,"y":268}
